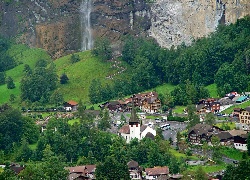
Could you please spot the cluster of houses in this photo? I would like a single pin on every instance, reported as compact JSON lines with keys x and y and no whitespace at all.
{"x":146,"y":102}
{"x":203,"y":133}
{"x":87,"y":172}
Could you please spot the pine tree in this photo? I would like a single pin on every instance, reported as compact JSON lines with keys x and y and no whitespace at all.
{"x":10,"y":83}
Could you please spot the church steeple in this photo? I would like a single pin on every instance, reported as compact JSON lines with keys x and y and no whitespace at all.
{"x":133,"y":118}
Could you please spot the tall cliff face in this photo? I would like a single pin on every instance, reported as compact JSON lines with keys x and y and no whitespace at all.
{"x":114,"y":18}
{"x":49,"y":24}
{"x":177,"y":21}
{"x":56,"y":25}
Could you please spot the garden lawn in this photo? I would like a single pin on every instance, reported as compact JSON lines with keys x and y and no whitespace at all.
{"x":209,"y":169}
{"x":232,"y":153}
{"x":179,"y":109}
{"x":163,"y":89}
{"x":230,"y":124}
{"x":212,"y":89}
{"x":243,"y":105}
{"x":33,"y":146}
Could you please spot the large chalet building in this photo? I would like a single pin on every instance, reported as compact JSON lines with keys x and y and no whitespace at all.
{"x":146,"y":102}
{"x":244,"y":119}
{"x":202,"y":133}
{"x":208,"y":105}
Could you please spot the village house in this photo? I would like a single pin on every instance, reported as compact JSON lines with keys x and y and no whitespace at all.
{"x":226,"y":139}
{"x":16,"y":168}
{"x":134,"y":170}
{"x":244,"y":119}
{"x":85,"y":172}
{"x":236,"y":112}
{"x":135,"y":130}
{"x":147,"y":102}
{"x":157,"y":172}
{"x":202,"y":133}
{"x":70,"y":105}
{"x":240,"y":142}
{"x":208,"y":105}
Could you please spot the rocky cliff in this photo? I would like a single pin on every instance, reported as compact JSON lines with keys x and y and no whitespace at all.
{"x":177,"y":21}
{"x":56,"y":25}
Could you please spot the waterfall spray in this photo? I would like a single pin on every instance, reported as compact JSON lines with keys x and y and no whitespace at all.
{"x":85,"y":10}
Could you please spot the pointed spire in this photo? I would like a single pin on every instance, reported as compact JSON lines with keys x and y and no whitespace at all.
{"x":133,"y":118}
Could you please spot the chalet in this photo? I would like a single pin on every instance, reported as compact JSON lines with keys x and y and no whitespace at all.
{"x":240,"y":142}
{"x":236,"y":132}
{"x":157,"y":172}
{"x":70,"y":105}
{"x":17,"y":168}
{"x":85,"y":172}
{"x":135,"y":130}
{"x":147,"y":102}
{"x":202,"y":132}
{"x":208,"y":105}
{"x":134,"y":170}
{"x":226,"y":139}
{"x":244,"y":119}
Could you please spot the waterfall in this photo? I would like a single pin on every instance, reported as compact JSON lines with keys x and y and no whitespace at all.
{"x":85,"y":10}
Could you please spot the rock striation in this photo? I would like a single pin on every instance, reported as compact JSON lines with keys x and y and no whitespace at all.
{"x":178,"y":21}
{"x":56,"y":25}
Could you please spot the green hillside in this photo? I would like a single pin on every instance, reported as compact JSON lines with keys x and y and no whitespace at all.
{"x":81,"y":74}
{"x":22,"y":55}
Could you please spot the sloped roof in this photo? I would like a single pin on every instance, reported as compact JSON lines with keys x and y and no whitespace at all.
{"x":77,"y":169}
{"x":142,"y":128}
{"x":156,"y":171}
{"x":236,"y":132}
{"x":72,"y":103}
{"x":133,"y":164}
{"x":16,"y":169}
{"x":125,"y":129}
{"x":201,"y":129}
{"x":90,"y":168}
{"x":224,"y":135}
{"x":247,"y":108}
{"x":150,"y":135}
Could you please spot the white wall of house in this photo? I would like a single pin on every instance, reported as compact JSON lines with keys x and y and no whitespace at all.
{"x":126,"y":136}
{"x":150,"y":177}
{"x":135,"y":175}
{"x":241,"y":126}
{"x":68,"y":108}
{"x":148,"y":129}
{"x":240,"y":146}
{"x":135,"y":131}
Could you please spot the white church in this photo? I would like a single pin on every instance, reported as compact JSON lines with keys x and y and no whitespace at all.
{"x":135,"y":130}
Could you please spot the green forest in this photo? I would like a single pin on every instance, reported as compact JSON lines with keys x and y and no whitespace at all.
{"x":221,"y":58}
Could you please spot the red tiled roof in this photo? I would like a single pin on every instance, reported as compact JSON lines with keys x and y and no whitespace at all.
{"x":72,"y":103}
{"x":90,"y":168}
{"x":125,"y":129}
{"x":156,"y":171}
{"x":77,"y":169}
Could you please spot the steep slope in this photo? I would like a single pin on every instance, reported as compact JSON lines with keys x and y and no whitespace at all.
{"x":57,"y":25}
{"x":177,"y":21}
{"x":81,"y":74}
